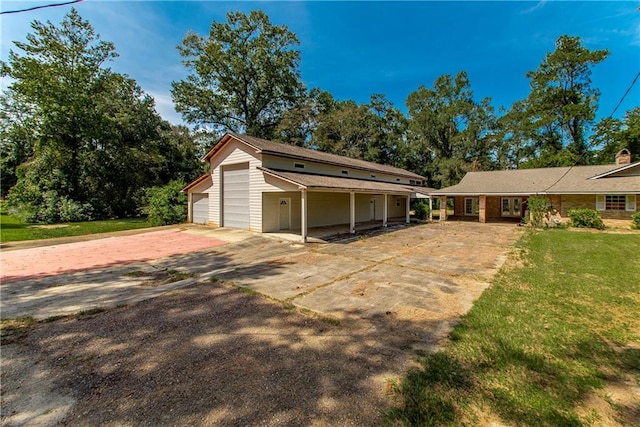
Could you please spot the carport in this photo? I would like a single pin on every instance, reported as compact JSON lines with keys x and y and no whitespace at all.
{"x":323,"y":201}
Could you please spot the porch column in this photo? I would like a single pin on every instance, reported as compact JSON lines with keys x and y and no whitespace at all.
{"x":482,"y":217}
{"x":443,"y":208}
{"x":430,"y":209}
{"x":384,"y":211}
{"x":189,"y":207}
{"x":303,"y":215}
{"x":352,"y":212}
{"x":408,"y":215}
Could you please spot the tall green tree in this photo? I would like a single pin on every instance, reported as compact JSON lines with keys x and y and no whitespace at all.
{"x":18,"y":133}
{"x":611,"y":135}
{"x":94,"y":139}
{"x":450,"y":133}
{"x":243,"y":75}
{"x":560,"y":109}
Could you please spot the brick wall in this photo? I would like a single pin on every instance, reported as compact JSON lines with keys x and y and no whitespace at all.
{"x":571,"y":201}
{"x":493,"y":208}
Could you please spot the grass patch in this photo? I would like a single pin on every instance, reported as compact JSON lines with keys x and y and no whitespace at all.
{"x":91,"y":312}
{"x":12,"y":229}
{"x":136,"y":273}
{"x":14,"y":330}
{"x":541,"y":346}
{"x":165,"y":277}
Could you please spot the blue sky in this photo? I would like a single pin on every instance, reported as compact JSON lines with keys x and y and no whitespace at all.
{"x":355,"y":49}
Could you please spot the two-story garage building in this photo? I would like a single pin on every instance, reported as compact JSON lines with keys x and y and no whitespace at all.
{"x":267,"y":186}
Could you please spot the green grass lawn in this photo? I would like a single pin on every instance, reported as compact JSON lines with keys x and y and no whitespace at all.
{"x":554,"y":342}
{"x":12,"y":229}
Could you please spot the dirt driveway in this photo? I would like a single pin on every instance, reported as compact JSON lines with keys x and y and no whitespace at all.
{"x":212,"y":351}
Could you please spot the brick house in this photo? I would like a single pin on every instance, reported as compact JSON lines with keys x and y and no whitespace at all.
{"x":613,"y":190}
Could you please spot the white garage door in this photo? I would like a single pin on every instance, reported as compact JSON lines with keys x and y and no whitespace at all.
{"x":200,"y":208}
{"x":235,"y":181}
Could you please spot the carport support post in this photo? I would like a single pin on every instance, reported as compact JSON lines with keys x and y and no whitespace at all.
{"x":352,"y":212}
{"x":303,"y":215}
{"x":430,"y":209}
{"x":384,"y":211}
{"x":407,"y":214}
{"x":443,"y":208}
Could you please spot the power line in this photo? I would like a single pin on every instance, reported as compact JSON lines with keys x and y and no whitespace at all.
{"x":610,"y":116}
{"x":40,"y":7}
{"x":625,"y":95}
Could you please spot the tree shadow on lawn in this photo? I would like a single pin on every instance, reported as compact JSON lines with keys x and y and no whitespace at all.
{"x":522,"y":387}
{"x":211,"y":354}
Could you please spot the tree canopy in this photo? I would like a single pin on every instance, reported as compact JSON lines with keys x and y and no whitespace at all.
{"x":82,"y":141}
{"x":244,"y":75}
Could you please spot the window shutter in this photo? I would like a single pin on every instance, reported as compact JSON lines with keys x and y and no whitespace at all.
{"x":600,"y":205}
{"x":630,"y":203}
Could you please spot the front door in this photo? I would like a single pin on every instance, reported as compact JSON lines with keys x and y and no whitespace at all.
{"x":372,"y":209}
{"x":285,"y":213}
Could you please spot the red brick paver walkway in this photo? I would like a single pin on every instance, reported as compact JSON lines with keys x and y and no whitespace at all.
{"x":71,"y":257}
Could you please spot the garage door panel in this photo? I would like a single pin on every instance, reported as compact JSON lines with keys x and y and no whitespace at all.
{"x":200,"y":208}
{"x":236,"y":196}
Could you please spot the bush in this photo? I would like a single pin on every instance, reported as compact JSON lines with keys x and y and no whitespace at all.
{"x":586,"y":218}
{"x":421,"y":210}
{"x":49,"y":208}
{"x":538,"y":206}
{"x":166,"y":205}
{"x":636,"y":220}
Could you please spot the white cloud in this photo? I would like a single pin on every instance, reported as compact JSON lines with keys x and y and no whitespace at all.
{"x":539,"y":5}
{"x":164,"y":107}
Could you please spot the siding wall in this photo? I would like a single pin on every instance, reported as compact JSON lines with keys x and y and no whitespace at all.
{"x":233,"y":153}
{"x":283,"y":163}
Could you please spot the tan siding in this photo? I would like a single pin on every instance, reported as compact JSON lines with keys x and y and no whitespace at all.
{"x":327,"y":209}
{"x":270,"y":217}
{"x":203,"y":187}
{"x":286,"y":164}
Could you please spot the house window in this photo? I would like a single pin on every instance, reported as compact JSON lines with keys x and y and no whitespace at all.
{"x":298,"y":165}
{"x":344,"y":172}
{"x":397,"y":203}
{"x":373,"y":175}
{"x":412,"y":181}
{"x":616,"y":202}
{"x":511,"y":206}
{"x":471,"y":206}
{"x":397,"y":179}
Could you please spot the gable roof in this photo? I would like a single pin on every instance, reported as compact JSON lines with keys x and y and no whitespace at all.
{"x":562,"y":180}
{"x":291,"y":151}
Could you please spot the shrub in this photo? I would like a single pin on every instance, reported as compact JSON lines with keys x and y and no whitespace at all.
{"x":421,"y":210}
{"x":166,"y":205}
{"x":586,"y":218}
{"x":49,"y":208}
{"x":537,"y":206}
{"x":636,"y":220}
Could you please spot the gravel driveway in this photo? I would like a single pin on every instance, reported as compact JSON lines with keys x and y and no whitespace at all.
{"x":213,"y":351}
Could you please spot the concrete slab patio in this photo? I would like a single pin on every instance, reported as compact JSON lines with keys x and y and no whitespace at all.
{"x":434,"y":270}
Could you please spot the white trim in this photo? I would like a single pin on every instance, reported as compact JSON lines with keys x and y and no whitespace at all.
{"x":630,"y":205}
{"x":616,"y":170}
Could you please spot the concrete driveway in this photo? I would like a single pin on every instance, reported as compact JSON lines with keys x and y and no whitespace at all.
{"x":432,"y":271}
{"x":207,"y":354}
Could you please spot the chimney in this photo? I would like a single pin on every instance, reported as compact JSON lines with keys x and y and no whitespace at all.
{"x":623,"y":157}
